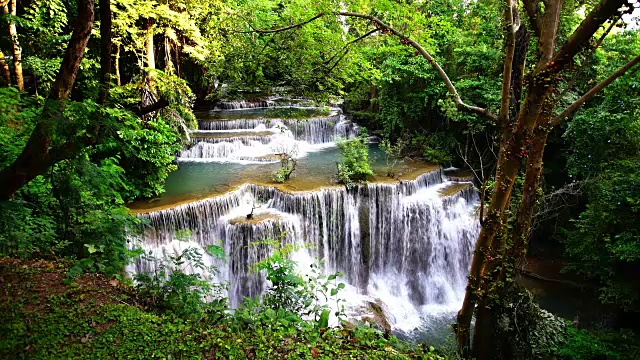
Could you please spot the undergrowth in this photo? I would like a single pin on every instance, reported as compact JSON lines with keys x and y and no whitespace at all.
{"x":44,"y":316}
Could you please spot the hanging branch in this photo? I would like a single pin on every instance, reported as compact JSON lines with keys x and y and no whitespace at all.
{"x":345,"y":48}
{"x":259,"y":31}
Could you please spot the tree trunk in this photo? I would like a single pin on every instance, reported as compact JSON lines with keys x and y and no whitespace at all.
{"x":6,"y":72}
{"x":105,"y":50}
{"x":38,"y":154}
{"x":168,"y":66}
{"x":117,"y":66}
{"x":17,"y":50}
{"x":512,"y":151}
{"x":150,"y":52}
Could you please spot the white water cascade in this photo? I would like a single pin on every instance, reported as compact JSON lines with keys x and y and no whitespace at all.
{"x":404,"y":246}
{"x":258,"y":140}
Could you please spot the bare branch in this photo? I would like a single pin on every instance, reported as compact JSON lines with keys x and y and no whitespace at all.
{"x":260,"y":31}
{"x":552,"y":204}
{"x":345,"y":48}
{"x":591,"y":93}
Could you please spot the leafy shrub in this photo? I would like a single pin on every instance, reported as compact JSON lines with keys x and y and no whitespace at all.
{"x":189,"y":295}
{"x":354,"y":166}
{"x":392,"y":154}
{"x":288,"y":163}
{"x":525,"y":330}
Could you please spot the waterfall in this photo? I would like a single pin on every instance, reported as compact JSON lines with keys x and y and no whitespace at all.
{"x":315,"y":130}
{"x":244,"y":104}
{"x":403,"y":244}
{"x":258,"y":140}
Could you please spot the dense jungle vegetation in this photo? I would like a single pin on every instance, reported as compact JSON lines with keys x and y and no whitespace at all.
{"x":538,"y":100}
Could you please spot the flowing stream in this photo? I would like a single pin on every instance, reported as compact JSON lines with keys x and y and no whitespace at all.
{"x":404,"y":246}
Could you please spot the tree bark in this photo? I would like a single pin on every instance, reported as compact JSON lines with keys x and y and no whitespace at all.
{"x":150,"y":52}
{"x":17,"y":50}
{"x":6,"y":72}
{"x":117,"y":66}
{"x":105,"y":50}
{"x":168,"y":66}
{"x":39,"y":153}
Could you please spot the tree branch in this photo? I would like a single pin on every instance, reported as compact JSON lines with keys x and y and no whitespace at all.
{"x":461,"y":105}
{"x":534,"y":16}
{"x":510,"y":48}
{"x":600,"y":14}
{"x":345,"y":48}
{"x":548,"y":26}
{"x":591,"y":93}
{"x":434,"y":64}
{"x":160,"y":104}
{"x":260,"y":31}
{"x":586,"y":61}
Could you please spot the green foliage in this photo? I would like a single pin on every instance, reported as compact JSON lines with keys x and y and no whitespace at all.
{"x":603,"y":242}
{"x":180,"y":284}
{"x":392,"y":154}
{"x":355,"y":166}
{"x":95,"y":318}
{"x":524,"y":330}
{"x":599,"y":344}
{"x":288,"y":163}
{"x":77,"y":208}
{"x":293,"y":293}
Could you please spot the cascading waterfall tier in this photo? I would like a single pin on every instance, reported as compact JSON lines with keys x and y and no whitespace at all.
{"x":258,"y":140}
{"x":403,"y":244}
{"x":244,"y":104}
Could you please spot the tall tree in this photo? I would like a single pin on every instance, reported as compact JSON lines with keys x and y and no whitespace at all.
{"x":523,"y":137}
{"x":6,"y":71}
{"x":11,"y":9}
{"x":39,"y":154}
{"x":105,"y":50}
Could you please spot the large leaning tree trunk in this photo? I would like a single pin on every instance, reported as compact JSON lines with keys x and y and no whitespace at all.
{"x":525,"y":125}
{"x":39,"y":153}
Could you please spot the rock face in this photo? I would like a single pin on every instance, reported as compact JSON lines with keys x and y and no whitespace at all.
{"x":377,"y":319}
